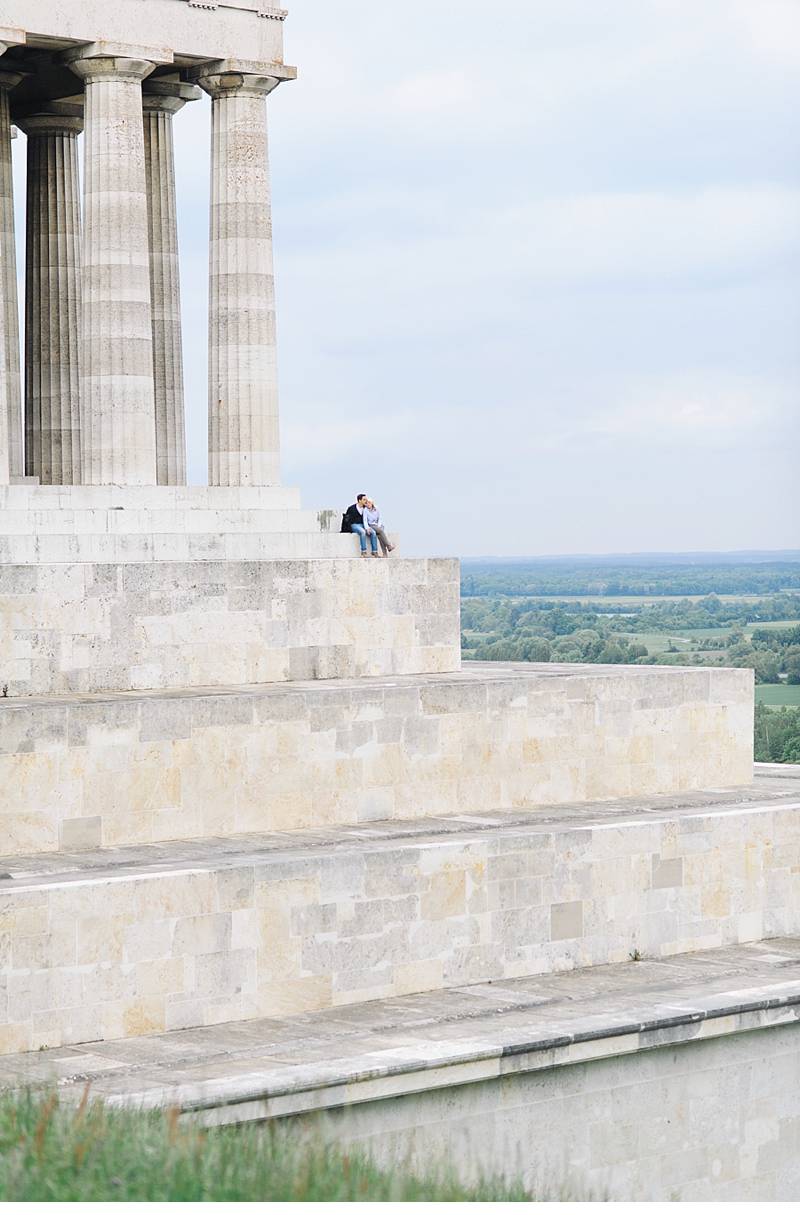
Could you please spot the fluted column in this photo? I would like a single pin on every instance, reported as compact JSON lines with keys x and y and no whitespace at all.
{"x":243,"y":442}
{"x":117,"y":398}
{"x":161,"y":99}
{"x":53,"y":297}
{"x":11,"y":445}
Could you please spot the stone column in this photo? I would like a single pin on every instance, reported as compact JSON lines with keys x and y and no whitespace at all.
{"x":118,"y":437}
{"x":161,"y":99}
{"x":53,"y":297}
{"x":11,"y":447}
{"x":243,"y":446}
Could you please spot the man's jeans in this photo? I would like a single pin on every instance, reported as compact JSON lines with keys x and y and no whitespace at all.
{"x":362,"y":537}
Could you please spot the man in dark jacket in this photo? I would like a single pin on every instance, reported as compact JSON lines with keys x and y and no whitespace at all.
{"x":353,"y":519}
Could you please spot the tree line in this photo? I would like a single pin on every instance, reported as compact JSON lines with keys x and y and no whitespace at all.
{"x":602,"y":580}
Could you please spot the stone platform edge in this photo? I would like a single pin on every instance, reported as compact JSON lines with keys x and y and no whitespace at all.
{"x":106,"y":770}
{"x":168,"y":937}
{"x":486,"y":1032}
{"x":250,"y":1098}
{"x":93,"y":627}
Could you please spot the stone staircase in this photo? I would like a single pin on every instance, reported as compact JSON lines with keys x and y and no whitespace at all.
{"x":52,"y":524}
{"x":114,"y":943}
{"x":258,"y":821}
{"x":450,"y":988}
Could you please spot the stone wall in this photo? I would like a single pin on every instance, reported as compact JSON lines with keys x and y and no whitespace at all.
{"x":118,"y":627}
{"x":161,"y":942}
{"x":90,"y":771}
{"x":706,"y":1122}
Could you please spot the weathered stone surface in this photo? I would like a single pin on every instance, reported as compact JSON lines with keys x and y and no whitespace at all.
{"x":203,"y":933}
{"x":165,"y":624}
{"x":331,"y":751}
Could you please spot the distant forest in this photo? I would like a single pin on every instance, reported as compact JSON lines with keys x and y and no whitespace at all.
{"x":601,"y":580}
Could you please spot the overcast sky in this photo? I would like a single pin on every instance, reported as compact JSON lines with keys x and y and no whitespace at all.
{"x":538,"y":267}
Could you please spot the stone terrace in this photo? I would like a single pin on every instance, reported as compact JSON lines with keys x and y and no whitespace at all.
{"x":107,"y":770}
{"x":116,"y":944}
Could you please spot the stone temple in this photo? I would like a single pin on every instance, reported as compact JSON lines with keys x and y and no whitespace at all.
{"x":268,"y":850}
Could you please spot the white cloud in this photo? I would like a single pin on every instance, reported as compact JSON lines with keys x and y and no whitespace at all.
{"x":712,"y":408}
{"x":431,"y":92}
{"x":771,"y":28}
{"x":474,"y":271}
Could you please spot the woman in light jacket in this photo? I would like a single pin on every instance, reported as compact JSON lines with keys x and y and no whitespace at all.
{"x":374,"y":523}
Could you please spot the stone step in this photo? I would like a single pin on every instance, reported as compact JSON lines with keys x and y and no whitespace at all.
{"x":30,"y":496}
{"x":632,"y":1082}
{"x":20,"y":524}
{"x":260,"y":544}
{"x":115,"y":769}
{"x":142,"y":940}
{"x":777,"y":771}
{"x":122,"y":626}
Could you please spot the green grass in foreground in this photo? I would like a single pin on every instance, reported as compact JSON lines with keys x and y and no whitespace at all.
{"x":778,"y":693}
{"x":50,"y":1152}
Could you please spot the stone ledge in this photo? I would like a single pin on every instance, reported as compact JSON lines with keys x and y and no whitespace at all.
{"x":778,"y":771}
{"x":287,"y":1066}
{"x":151,"y":498}
{"x":759,"y":797}
{"x":105,"y":547}
{"x":165,"y":938}
{"x":113,"y":769}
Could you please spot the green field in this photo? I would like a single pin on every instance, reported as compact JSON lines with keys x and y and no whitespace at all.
{"x":658,"y":643}
{"x":771,"y":624}
{"x":635,"y":601}
{"x":778,"y":694}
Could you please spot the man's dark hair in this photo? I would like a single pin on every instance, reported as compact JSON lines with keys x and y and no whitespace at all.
{"x":360,"y":496}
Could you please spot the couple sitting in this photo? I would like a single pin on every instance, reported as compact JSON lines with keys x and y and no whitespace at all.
{"x":364,"y":518}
